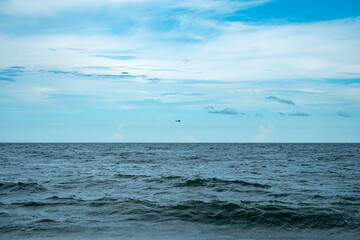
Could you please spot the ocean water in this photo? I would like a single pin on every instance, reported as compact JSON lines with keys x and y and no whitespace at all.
{"x":180,"y":191}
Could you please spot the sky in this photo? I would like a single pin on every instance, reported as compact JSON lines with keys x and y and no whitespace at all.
{"x":230,"y":70}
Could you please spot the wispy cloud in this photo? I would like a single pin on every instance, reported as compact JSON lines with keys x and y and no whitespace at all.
{"x":100,"y":68}
{"x":280,"y":100}
{"x":299,"y":114}
{"x":222,"y":7}
{"x":76,"y":49}
{"x":165,"y":70}
{"x":123,"y":75}
{"x":160,"y":103}
{"x":194,"y":81}
{"x":295,"y":114}
{"x":267,"y":52}
{"x":183,"y":94}
{"x":18,"y":67}
{"x":6,"y":79}
{"x":8,"y":74}
{"x":147,"y":103}
{"x":51,"y":8}
{"x":343,"y":114}
{"x":229,"y":111}
{"x":116,"y":57}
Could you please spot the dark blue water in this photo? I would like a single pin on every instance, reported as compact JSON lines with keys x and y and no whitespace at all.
{"x":179,"y":191}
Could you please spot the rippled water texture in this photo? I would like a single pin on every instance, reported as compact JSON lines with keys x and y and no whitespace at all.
{"x":179,"y":191}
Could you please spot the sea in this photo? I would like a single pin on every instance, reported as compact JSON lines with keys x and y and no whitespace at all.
{"x":166,"y":191}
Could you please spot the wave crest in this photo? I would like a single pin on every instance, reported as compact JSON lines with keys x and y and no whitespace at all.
{"x":21,"y":186}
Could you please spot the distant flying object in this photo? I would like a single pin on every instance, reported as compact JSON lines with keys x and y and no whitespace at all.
{"x":177,"y":120}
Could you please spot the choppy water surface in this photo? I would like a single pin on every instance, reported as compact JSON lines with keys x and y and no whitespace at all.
{"x":179,"y":191}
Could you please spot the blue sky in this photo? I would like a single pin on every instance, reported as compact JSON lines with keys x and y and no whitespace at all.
{"x":231,"y":70}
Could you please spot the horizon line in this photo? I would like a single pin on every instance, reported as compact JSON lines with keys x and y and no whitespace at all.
{"x":179,"y":142}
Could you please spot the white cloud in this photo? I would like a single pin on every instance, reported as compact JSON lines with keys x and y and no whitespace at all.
{"x":264,"y":134}
{"x":52,"y":7}
{"x":239,"y":52}
{"x":221,"y":6}
{"x":292,"y":51}
{"x":118,"y":137}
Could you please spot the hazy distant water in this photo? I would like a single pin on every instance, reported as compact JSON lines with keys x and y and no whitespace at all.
{"x":179,"y":191}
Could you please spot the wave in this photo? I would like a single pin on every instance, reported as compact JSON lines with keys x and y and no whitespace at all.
{"x":129,"y":176}
{"x":179,"y":181}
{"x":243,"y":214}
{"x":248,"y":214}
{"x":50,"y":202}
{"x":216,"y":181}
{"x":224,"y":213}
{"x":21,"y":186}
{"x":47,"y":220}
